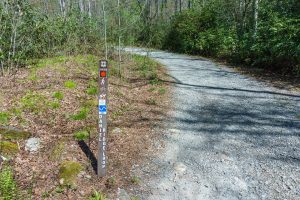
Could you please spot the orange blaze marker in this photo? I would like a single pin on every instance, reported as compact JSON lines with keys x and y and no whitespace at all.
{"x":102,"y":73}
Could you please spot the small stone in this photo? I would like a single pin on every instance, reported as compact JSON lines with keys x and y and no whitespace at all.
{"x":179,"y":168}
{"x":117,"y":131}
{"x":3,"y":158}
{"x":123,"y":195}
{"x":81,"y":193}
{"x":32,"y":144}
{"x":88,"y":176}
{"x":81,"y":174}
{"x":61,"y":181}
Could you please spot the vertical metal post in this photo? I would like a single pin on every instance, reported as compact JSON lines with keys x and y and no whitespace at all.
{"x":103,"y":83}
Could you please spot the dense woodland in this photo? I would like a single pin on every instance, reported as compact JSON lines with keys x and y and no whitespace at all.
{"x":261,"y":33}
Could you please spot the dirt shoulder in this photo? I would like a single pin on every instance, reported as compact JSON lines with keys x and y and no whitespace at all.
{"x":57,"y":98}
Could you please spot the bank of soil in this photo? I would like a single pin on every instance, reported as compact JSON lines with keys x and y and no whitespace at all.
{"x":55,"y":98}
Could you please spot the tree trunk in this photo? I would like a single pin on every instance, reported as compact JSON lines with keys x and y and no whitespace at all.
{"x":62,"y":5}
{"x":105,"y":29}
{"x":255,"y":17}
{"x":81,"y":6}
{"x":180,"y":5}
{"x":119,"y":24}
{"x":90,"y":8}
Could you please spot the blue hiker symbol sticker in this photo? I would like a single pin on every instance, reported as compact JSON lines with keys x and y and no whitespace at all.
{"x":102,"y":109}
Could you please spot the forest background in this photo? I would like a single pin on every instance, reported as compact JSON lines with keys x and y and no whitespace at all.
{"x":261,"y":33}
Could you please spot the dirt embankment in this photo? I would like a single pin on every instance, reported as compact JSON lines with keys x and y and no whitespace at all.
{"x":56,"y":99}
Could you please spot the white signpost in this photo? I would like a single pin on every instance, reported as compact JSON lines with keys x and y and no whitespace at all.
{"x":103,"y":82}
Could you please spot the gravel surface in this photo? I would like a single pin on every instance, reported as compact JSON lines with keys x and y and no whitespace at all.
{"x":229,"y":136}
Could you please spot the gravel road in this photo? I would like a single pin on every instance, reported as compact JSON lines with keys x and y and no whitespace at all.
{"x":228,"y":137}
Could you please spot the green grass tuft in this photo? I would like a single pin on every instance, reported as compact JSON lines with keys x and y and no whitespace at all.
{"x":8,"y":186}
{"x":162,"y":91}
{"x":81,"y":135}
{"x":54,"y":105}
{"x":92,"y":91}
{"x":155,"y":81}
{"x":135,"y":180}
{"x":4,"y":118}
{"x":111,"y":182}
{"x":134,"y":198}
{"x":70,"y":84}
{"x":152,"y":89}
{"x":58,"y":95}
{"x":81,"y":115}
{"x":151,"y":102}
{"x":98,"y":196}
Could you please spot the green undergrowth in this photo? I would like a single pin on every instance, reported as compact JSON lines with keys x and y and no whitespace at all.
{"x":8,"y":186}
{"x":34,"y":102}
{"x":37,"y":103}
{"x":45,"y":62}
{"x":146,"y":67}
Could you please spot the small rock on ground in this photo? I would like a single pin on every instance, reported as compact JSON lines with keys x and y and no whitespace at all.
{"x":117,"y":131}
{"x":123,"y":195}
{"x":32,"y":144}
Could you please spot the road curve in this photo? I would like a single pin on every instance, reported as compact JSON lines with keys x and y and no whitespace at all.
{"x":229,"y":136}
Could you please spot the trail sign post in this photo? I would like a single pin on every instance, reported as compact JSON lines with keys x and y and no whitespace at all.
{"x":103,"y":83}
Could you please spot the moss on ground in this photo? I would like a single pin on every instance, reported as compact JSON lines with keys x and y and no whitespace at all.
{"x":68,"y":172}
{"x":13,"y":134}
{"x":8,"y":148}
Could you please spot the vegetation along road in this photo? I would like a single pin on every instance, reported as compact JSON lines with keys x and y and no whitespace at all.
{"x":228,"y":136}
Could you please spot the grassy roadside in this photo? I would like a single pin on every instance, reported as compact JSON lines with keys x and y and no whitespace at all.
{"x":55,"y":100}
